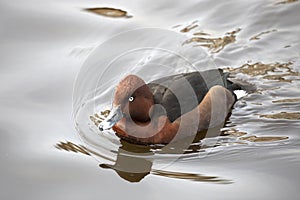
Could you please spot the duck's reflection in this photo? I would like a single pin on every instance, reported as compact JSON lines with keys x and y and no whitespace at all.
{"x":128,"y":166}
{"x":133,"y":167}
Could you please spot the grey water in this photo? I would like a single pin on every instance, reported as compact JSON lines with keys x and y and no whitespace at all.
{"x":44,"y":44}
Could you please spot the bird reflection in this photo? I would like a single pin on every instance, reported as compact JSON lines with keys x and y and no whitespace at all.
{"x":134,"y":162}
{"x":129,"y":167}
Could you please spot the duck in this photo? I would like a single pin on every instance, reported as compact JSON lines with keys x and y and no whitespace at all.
{"x":170,"y":108}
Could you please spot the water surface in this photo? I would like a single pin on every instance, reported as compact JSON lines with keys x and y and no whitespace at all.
{"x":43,"y":46}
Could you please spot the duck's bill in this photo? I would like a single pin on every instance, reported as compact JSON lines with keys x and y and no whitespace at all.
{"x":114,"y":116}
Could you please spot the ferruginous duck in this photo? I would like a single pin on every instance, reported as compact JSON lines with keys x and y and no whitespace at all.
{"x":171,"y":107}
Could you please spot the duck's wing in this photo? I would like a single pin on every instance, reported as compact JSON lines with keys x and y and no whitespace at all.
{"x":181,"y":93}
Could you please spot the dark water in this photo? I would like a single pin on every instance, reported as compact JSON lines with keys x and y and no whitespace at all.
{"x":44,"y":45}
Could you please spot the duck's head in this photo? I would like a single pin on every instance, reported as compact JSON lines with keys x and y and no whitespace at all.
{"x":132,"y":99}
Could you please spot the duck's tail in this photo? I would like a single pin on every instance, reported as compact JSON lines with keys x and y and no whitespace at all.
{"x":239,"y":88}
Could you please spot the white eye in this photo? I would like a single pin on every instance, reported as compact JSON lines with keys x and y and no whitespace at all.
{"x":131,"y":99}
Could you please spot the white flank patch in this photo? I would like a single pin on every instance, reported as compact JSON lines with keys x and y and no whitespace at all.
{"x":240,"y":93}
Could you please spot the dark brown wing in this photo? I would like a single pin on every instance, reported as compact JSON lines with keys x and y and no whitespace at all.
{"x":181,"y":93}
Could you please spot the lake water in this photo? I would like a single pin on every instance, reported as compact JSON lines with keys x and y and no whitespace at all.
{"x":44,"y":44}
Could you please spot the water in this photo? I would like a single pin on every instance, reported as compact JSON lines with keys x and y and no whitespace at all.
{"x":43,"y":47}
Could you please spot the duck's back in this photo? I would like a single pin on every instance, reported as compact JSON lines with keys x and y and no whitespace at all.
{"x":181,"y":93}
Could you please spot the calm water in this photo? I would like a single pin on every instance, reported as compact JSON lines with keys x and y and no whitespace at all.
{"x":44,"y":45}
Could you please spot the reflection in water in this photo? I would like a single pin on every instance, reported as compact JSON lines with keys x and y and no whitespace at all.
{"x":215,"y":45}
{"x":286,"y":1}
{"x":259,"y":68}
{"x":189,"y":27}
{"x":129,"y":165}
{"x":108,"y":12}
{"x":134,"y":168}
{"x":204,"y":39}
{"x":262,"y":139}
{"x":273,"y":71}
{"x":232,"y":132}
{"x":69,"y":146}
{"x":98,"y":118}
{"x":283,"y":115}
{"x":257,"y":37}
{"x":130,"y":176}
{"x":191,"y":177}
{"x":295,"y":100}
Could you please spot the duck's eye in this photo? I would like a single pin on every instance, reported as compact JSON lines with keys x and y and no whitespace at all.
{"x":131,"y":99}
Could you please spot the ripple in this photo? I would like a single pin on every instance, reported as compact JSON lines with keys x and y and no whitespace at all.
{"x":192,"y":177}
{"x":189,"y":27}
{"x":281,"y":72}
{"x":254,"y":138}
{"x":295,"y":100}
{"x":283,"y":115}
{"x":214,"y":44}
{"x":108,"y":12}
{"x":137,"y":168}
{"x":257,"y":37}
{"x":233,"y":132}
{"x":69,"y":146}
{"x":97,"y":118}
{"x":206,"y":39}
{"x":242,"y":136}
{"x":286,"y":2}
